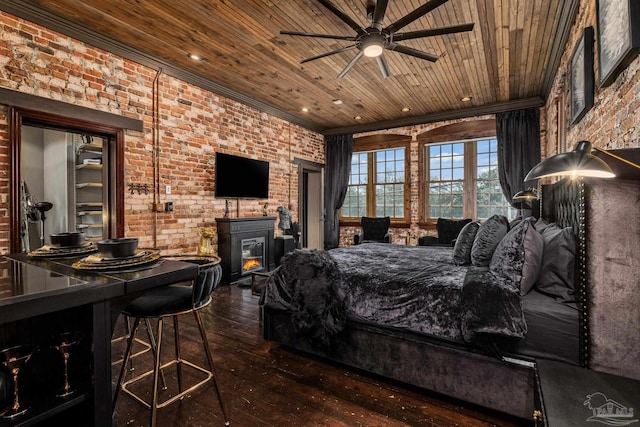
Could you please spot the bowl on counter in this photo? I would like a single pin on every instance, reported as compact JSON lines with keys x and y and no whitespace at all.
{"x":68,"y":239}
{"x":118,"y":248}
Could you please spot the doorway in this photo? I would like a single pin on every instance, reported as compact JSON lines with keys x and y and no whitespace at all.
{"x":66,"y":171}
{"x":310,"y":195}
{"x":63,"y":181}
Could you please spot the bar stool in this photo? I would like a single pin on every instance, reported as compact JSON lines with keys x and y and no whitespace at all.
{"x":173,"y":301}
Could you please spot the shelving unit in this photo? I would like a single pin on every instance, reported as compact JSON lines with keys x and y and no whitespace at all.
{"x":88,"y":186}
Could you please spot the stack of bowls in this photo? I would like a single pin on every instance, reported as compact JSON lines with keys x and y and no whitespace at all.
{"x":67,"y":240}
{"x":118,"y":248}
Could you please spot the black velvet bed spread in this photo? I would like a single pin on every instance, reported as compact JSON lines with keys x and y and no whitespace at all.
{"x":417,"y":288}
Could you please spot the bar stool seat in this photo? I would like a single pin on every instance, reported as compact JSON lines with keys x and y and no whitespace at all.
{"x":173,"y":301}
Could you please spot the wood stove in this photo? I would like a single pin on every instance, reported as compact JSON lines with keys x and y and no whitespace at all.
{"x":245,"y":245}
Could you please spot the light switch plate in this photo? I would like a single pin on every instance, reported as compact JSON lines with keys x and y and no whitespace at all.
{"x":167,"y":190}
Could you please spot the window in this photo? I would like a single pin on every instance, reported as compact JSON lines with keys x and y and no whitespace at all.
{"x":462,"y":180}
{"x":376,"y":184}
{"x":355,"y":202}
{"x":446,"y":180}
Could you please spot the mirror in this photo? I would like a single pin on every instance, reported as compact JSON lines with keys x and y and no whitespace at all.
{"x":66,"y":176}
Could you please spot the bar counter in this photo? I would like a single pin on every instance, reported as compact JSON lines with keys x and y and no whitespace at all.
{"x":40,"y":297}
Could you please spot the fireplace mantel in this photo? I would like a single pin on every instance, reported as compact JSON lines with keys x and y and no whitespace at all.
{"x":231,"y":232}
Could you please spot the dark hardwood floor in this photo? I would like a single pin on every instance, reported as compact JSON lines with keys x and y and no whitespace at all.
{"x":269,"y":385}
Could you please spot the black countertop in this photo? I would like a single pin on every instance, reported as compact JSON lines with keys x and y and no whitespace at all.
{"x":45,"y":288}
{"x":31,"y":286}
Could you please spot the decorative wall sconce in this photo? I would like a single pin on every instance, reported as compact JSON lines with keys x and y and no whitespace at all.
{"x":579,"y":162}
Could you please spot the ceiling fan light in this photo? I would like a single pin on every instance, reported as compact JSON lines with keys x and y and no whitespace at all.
{"x":373,"y":50}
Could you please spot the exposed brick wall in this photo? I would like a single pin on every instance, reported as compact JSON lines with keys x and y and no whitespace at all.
{"x":613,"y":120}
{"x":193,"y":124}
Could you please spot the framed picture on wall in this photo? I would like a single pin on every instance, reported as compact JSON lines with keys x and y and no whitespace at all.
{"x":618,"y":37}
{"x":581,"y":76}
{"x":561,"y":116}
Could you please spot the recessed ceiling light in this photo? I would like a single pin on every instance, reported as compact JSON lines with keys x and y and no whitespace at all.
{"x":305,"y":109}
{"x":405,"y":109}
{"x":465,"y":99}
{"x":194,"y":56}
{"x":337,"y":101}
{"x":358,"y":117}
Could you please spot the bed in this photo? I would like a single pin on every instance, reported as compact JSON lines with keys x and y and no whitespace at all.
{"x":413,"y":315}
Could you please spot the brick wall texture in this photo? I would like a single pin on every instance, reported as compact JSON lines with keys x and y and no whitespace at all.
{"x":612,"y":122}
{"x":194,"y":123}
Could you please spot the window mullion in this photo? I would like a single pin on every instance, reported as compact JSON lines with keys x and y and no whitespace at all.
{"x":371,"y":185}
{"x":469,"y":179}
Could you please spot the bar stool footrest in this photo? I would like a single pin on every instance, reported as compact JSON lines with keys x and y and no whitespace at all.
{"x":178,"y":396}
{"x":146,"y":345}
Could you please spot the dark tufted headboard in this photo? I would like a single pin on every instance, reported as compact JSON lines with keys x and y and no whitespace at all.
{"x":564,"y":203}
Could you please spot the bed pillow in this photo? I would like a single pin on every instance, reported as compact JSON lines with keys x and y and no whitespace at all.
{"x":541,"y":224}
{"x":518,"y":256}
{"x":487,"y":238}
{"x":448,"y":229}
{"x":558,"y":261}
{"x":464,"y":242}
{"x":515,"y":221}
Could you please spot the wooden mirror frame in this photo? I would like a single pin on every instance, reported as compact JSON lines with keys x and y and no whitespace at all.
{"x":17,"y":116}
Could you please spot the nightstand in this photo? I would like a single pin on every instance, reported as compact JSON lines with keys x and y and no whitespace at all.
{"x":573,"y":396}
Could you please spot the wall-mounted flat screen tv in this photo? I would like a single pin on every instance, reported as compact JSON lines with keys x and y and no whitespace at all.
{"x":241,"y":178}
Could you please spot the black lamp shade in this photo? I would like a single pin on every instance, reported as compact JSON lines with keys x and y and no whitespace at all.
{"x":579,"y":162}
{"x":44,"y":206}
{"x":526,"y":195}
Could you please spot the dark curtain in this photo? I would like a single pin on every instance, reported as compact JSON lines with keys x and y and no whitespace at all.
{"x":518,"y":134}
{"x":338,"y":150}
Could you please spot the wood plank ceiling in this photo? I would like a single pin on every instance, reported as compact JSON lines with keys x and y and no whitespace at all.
{"x":507,"y":60}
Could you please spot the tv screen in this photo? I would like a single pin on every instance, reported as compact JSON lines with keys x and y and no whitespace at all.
{"x":240,"y":177}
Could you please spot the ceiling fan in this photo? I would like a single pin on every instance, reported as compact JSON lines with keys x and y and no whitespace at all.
{"x":373,"y":40}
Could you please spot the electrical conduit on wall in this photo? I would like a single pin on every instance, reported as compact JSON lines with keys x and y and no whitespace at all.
{"x":156,"y":155}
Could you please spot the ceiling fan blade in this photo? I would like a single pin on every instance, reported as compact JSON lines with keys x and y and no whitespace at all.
{"x":384,"y":67}
{"x":333,"y":52}
{"x":322,"y":36}
{"x":343,"y":16}
{"x":432,"y":32}
{"x":412,"y":16}
{"x":413,"y":52}
{"x":350,"y":65}
{"x":378,"y":14}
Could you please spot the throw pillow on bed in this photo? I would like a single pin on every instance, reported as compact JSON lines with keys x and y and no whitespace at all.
{"x":541,"y":224}
{"x":487,"y":238}
{"x":518,"y":256}
{"x":558,"y":261}
{"x":464,"y":242}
